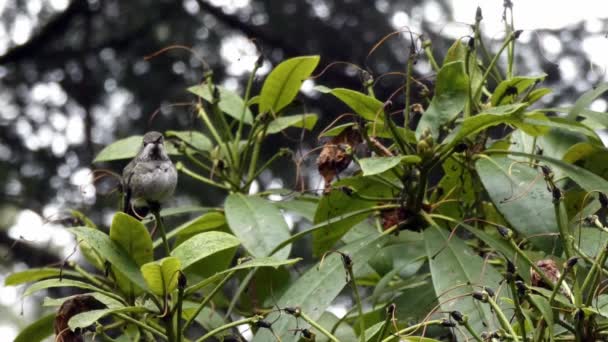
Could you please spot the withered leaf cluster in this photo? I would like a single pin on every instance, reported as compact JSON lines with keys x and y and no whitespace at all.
{"x":67,"y":310}
{"x":336,"y":155}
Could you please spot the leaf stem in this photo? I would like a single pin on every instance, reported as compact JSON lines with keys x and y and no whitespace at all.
{"x":141,"y":325}
{"x":510,"y":38}
{"x":180,"y":167}
{"x":353,"y":283}
{"x":229,"y":326}
{"x":324,"y":224}
{"x":504,"y":322}
{"x":412,"y":329}
{"x":203,"y":114}
{"x":206,"y":300}
{"x":161,"y":227}
{"x":318,"y":327}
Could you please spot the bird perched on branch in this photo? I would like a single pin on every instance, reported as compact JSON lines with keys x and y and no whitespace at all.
{"x":150,"y":178}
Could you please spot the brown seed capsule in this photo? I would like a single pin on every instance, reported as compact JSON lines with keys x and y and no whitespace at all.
{"x":391,"y":217}
{"x":336,"y":155}
{"x":68,"y":309}
{"x":549,"y":267}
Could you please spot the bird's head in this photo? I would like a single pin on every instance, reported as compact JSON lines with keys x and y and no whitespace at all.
{"x":153,"y":147}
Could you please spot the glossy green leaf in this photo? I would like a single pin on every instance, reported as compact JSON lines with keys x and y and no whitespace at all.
{"x":230,"y":102}
{"x":37,"y":331}
{"x":258,"y":224}
{"x":366,"y":106}
{"x":545,"y":309}
{"x":337,"y":203}
{"x":88,"y":318}
{"x":491,"y":117}
{"x":208,"y":318}
{"x":161,"y":276}
{"x":255,"y":263}
{"x":284,"y":81}
{"x":314,"y":291}
{"x":493,"y":240}
{"x":209,"y":221}
{"x":537,"y":94}
{"x":343,"y":332}
{"x":51,"y":283}
{"x":33,"y":274}
{"x":304,"y":206}
{"x":509,"y":90}
{"x":106,"y":300}
{"x":455,"y":267}
{"x":451,"y":91}
{"x":306,"y":121}
{"x":130,"y":234}
{"x":521,"y":197}
{"x":376,"y":165}
{"x":585,"y":179}
{"x":125,"y":149}
{"x":193,"y":139}
{"x":585,"y":100}
{"x":112,"y":252}
{"x":458,"y":52}
{"x":563,"y":124}
{"x":203,"y":245}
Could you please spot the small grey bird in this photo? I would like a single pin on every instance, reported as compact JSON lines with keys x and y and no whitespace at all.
{"x":150,"y":178}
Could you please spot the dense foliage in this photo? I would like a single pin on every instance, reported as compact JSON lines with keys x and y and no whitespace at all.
{"x":473,"y":214}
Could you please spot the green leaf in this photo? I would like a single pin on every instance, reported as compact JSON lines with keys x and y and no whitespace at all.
{"x":315,"y":290}
{"x":523,"y":201}
{"x":208,"y":318}
{"x":257,"y":262}
{"x":194,"y":139}
{"x":585,"y":179}
{"x":452,"y":88}
{"x":304,"y":206}
{"x":38,"y":330}
{"x":106,"y":300}
{"x":112,"y":252}
{"x":203,"y":245}
{"x":88,"y":318}
{"x":545,"y":309}
{"x":258,"y":224}
{"x":284,"y":81}
{"x":50,"y":283}
{"x":491,"y":117}
{"x":376,"y":165}
{"x":130,"y":234}
{"x":585,"y":100}
{"x":455,"y":267}
{"x":161,"y":276}
{"x":230,"y":102}
{"x":306,"y":121}
{"x":458,"y":52}
{"x":496,"y":242}
{"x":33,"y":274}
{"x":125,"y":148}
{"x":509,"y":90}
{"x":337,"y":203}
{"x":561,"y":123}
{"x":366,"y":106}
{"x":209,"y":221}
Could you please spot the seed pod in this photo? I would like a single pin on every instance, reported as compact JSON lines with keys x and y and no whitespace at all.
{"x":67,"y":310}
{"x":458,"y":316}
{"x":549,"y":268}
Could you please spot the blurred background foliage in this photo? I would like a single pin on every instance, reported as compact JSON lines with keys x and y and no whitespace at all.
{"x":73,"y":78}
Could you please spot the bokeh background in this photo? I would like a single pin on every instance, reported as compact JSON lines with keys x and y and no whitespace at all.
{"x":73,"y":78}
